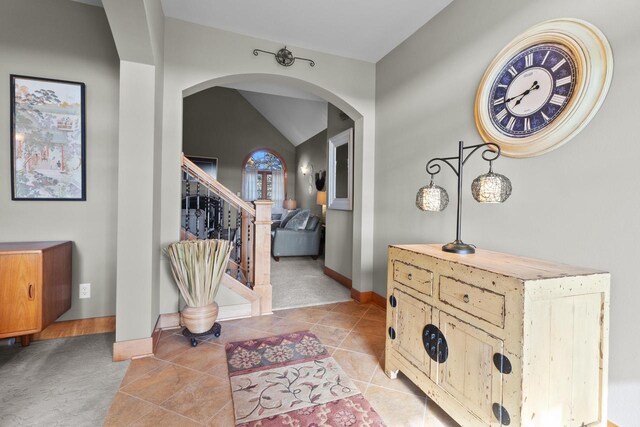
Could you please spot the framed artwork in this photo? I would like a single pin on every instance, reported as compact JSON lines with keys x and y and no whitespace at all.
{"x":208,"y":164}
{"x":47,"y":139}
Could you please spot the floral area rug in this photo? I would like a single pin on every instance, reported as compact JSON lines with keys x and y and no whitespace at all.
{"x":291,"y":380}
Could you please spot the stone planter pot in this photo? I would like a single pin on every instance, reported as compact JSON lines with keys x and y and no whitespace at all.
{"x":199,"y":319}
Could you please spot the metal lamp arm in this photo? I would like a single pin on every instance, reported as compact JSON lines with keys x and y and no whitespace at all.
{"x":493,"y":154}
{"x":434,"y":168}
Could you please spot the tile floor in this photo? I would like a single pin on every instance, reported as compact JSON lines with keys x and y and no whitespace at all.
{"x":184,"y":386}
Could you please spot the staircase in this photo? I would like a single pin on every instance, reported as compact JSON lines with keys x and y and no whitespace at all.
{"x":212,"y":211}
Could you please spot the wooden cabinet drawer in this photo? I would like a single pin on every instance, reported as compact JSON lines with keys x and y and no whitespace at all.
{"x":478,"y":302}
{"x":417,"y":278}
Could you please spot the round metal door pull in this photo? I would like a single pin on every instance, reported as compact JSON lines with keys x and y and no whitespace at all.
{"x":435,"y":343}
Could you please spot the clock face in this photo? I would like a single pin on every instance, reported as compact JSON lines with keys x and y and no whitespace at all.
{"x":532,"y":89}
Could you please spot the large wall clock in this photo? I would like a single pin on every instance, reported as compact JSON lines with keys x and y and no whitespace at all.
{"x":544,"y":87}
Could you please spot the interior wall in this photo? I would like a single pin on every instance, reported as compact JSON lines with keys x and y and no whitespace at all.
{"x":339,"y":232}
{"x":311,"y":152}
{"x":66,"y":40}
{"x":577,"y":204}
{"x":345,"y":82}
{"x":219,"y":122}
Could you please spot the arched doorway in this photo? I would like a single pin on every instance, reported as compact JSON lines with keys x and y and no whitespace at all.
{"x":362,"y":218}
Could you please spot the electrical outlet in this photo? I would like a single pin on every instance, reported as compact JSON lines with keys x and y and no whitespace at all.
{"x":85,"y":290}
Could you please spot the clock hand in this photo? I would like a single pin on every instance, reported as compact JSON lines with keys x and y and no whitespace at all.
{"x":526,"y":93}
{"x":534,"y":86}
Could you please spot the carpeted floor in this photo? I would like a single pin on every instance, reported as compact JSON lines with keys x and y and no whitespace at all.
{"x":59,"y":382}
{"x":300,"y":282}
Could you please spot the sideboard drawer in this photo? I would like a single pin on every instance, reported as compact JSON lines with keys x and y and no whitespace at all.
{"x":417,"y":278}
{"x":478,"y":302}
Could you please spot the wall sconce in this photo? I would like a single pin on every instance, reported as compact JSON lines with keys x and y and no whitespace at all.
{"x":321,"y":199}
{"x":306,"y":169}
{"x":488,"y":188}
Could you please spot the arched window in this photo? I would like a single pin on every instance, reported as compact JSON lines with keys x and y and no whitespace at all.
{"x":264,"y":176}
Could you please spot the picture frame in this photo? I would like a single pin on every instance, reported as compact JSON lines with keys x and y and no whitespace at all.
{"x":48,"y":139}
{"x":208,"y":164}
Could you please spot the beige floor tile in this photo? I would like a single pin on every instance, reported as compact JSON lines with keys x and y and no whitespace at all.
{"x":309,"y":315}
{"x":339,"y":320}
{"x":125,"y":409}
{"x":260,"y":323}
{"x":397,"y":408}
{"x":369,"y":344}
{"x":357,"y":366}
{"x":352,"y":308}
{"x":201,"y":400}
{"x":224,"y":418}
{"x":362,"y":386}
{"x":402,"y":383}
{"x":371,"y":327}
{"x":375,"y":313}
{"x":140,"y":367}
{"x":201,"y":358}
{"x":162,"y":418}
{"x":287,"y":326}
{"x":171,"y":346}
{"x":436,"y":417}
{"x":329,"y":335}
{"x":325,"y":307}
{"x":159,"y":385}
{"x":236,"y":333}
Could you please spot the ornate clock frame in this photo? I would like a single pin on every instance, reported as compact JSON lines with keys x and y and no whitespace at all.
{"x":594,"y":70}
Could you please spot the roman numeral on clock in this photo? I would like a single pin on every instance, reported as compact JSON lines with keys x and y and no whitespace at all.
{"x":558,"y":65}
{"x":563,"y":81}
{"x":498,"y":101}
{"x":528,"y":60}
{"x":512,"y":71}
{"x":503,"y":86}
{"x":544,"y":116}
{"x":501,"y":115}
{"x":527,"y":124}
{"x":545,"y":58}
{"x":511,"y":123}
{"x":557,"y":99}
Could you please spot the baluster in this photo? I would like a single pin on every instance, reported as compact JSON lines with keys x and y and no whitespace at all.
{"x":187,"y":207}
{"x":198,"y":211}
{"x":248,"y":249}
{"x":229,"y":221}
{"x":238,"y":241}
{"x":220,"y":211}
{"x":207,"y":216}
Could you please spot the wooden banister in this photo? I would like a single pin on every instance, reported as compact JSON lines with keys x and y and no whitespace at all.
{"x":262,"y":257}
{"x":215,"y":186}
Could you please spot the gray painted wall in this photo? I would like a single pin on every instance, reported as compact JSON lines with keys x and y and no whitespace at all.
{"x":339,"y":234}
{"x":71,"y":41}
{"x":219,"y":122}
{"x":314,"y":152}
{"x":578,"y":204}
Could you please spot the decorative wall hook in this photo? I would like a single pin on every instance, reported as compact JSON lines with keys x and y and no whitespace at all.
{"x":284,"y":57}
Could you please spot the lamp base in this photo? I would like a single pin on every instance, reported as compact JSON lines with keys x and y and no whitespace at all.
{"x":459,"y":247}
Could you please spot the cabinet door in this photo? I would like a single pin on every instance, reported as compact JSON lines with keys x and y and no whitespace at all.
{"x":468,"y":374}
{"x":19,"y":293}
{"x":410,"y":317}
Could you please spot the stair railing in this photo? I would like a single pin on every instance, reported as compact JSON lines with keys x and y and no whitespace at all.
{"x":212,"y":211}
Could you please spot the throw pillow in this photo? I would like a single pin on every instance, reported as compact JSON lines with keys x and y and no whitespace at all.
{"x":312,"y":223}
{"x":287,"y":218}
{"x":299,"y":221}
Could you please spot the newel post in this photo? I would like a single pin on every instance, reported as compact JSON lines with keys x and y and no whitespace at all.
{"x":262,"y":258}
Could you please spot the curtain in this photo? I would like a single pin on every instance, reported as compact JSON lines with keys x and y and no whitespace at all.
{"x":250,"y":184}
{"x":277,"y":190}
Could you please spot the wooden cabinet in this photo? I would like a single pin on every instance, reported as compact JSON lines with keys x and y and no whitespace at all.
{"x":496,"y":339}
{"x":35,"y":286}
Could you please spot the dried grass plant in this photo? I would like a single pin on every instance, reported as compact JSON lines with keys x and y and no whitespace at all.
{"x":197,"y":267}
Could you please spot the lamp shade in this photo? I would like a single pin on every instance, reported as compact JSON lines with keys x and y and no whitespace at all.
{"x":290,"y":204}
{"x":432,"y":198}
{"x":491,"y":188}
{"x":321,"y":198}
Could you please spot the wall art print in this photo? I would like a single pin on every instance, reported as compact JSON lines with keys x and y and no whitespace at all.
{"x":47,"y":139}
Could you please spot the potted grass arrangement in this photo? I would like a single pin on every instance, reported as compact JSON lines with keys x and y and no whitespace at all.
{"x":197,"y":267}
